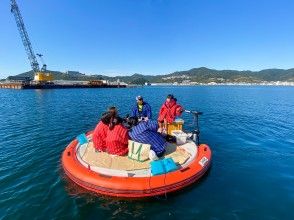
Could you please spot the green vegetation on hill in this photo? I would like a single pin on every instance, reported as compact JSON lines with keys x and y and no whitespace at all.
{"x":199,"y":75}
{"x":206,"y":75}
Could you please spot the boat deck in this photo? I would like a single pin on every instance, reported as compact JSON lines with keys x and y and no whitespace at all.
{"x":102,"y":162}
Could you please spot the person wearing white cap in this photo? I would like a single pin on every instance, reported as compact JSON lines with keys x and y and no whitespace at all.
{"x":142,"y":110}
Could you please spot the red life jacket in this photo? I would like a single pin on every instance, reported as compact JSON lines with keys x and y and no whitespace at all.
{"x":117,"y":140}
{"x":169,"y":111}
{"x":99,"y":136}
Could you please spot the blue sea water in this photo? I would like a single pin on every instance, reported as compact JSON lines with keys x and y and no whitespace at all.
{"x":249,"y":129}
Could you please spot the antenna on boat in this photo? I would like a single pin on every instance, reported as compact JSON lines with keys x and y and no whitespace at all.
{"x":196,"y":132}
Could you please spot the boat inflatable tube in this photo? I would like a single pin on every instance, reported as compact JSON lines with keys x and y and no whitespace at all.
{"x":138,"y":183}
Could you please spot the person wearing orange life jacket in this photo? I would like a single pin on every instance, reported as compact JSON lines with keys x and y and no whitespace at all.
{"x":168,"y":112}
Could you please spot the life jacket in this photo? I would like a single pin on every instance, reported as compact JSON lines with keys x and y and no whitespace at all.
{"x":99,"y":136}
{"x":145,"y":111}
{"x":169,"y":111}
{"x":117,"y":140}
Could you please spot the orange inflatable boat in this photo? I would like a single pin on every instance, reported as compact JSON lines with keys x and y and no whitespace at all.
{"x":121,"y":177}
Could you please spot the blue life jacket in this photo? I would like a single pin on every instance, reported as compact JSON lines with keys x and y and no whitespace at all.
{"x":146,"y":111}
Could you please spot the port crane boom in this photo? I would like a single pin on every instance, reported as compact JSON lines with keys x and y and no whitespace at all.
{"x":40,"y":74}
{"x":24,"y":36}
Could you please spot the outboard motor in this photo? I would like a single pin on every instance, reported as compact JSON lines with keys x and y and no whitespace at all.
{"x":196,"y":132}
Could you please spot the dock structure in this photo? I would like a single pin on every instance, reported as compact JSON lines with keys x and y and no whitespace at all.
{"x":56,"y":86}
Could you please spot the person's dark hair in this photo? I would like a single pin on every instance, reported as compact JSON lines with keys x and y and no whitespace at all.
{"x":113,"y":111}
{"x":132,"y":121}
{"x":170,"y":96}
{"x":105,"y":118}
{"x":110,"y":118}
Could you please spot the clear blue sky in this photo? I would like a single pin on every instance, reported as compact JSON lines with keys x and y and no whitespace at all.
{"x":117,"y":37}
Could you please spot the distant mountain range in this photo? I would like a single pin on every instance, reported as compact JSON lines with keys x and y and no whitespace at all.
{"x":199,"y":75}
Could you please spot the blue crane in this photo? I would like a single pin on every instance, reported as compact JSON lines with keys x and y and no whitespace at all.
{"x":24,"y":36}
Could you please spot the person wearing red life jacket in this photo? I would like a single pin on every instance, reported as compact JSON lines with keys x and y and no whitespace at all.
{"x":99,"y":135}
{"x":168,"y":112}
{"x":110,"y":135}
{"x":117,"y":140}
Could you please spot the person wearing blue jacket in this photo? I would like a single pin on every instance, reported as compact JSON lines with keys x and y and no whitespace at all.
{"x":146,"y":132}
{"x":142,"y":110}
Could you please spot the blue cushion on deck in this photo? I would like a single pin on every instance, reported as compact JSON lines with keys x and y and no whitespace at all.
{"x":169,"y":165}
{"x":157,"y":167}
{"x":82,"y":139}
